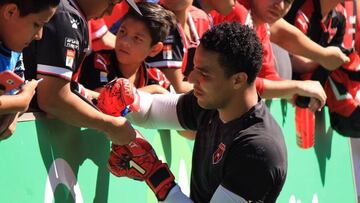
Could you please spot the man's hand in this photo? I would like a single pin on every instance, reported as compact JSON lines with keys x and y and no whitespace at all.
{"x":118,"y":97}
{"x":334,"y":58}
{"x":137,"y":160}
{"x":7,"y":125}
{"x":315,"y":91}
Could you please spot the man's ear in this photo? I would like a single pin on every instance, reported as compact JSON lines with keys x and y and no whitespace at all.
{"x":239,"y":80}
{"x":10,"y":10}
{"x":155,"y":49}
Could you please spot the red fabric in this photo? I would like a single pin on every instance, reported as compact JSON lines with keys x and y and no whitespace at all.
{"x":343,"y":103}
{"x":245,"y":3}
{"x":239,"y":14}
{"x":201,"y":20}
{"x":357,"y":35}
{"x":159,"y":76}
{"x":118,"y":12}
{"x":259,"y":82}
{"x":349,"y":33}
{"x":96,"y":24}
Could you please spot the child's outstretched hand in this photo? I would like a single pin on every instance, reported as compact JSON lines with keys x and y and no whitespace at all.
{"x":28,"y":90}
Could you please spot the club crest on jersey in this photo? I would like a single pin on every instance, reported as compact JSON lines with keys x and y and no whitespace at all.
{"x":167,"y":52}
{"x":218,"y":154}
{"x":70,"y":57}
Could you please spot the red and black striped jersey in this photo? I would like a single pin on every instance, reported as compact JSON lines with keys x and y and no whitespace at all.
{"x":178,"y":51}
{"x":101,"y":67}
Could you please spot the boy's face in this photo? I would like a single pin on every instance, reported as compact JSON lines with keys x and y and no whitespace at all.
{"x":133,"y":42}
{"x":212,"y":88}
{"x":18,"y":31}
{"x":269,"y":11}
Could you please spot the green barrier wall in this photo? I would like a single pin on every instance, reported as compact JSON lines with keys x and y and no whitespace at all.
{"x":49,"y":161}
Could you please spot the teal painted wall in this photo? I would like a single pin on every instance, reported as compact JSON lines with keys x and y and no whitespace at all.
{"x":49,"y":161}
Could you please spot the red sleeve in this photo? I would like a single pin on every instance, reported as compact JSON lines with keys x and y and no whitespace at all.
{"x":357,"y":33}
{"x":158,"y":76}
{"x":259,"y":83}
{"x":201,"y":20}
{"x":348,"y":11}
{"x":268,"y":70}
{"x":97,"y":28}
{"x":357,"y":36}
{"x":238,"y":13}
{"x":118,"y":12}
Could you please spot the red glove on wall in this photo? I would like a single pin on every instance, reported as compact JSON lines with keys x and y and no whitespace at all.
{"x":118,"y":98}
{"x":137,"y":160}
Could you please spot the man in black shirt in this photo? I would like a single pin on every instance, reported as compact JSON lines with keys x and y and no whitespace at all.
{"x":57,"y":58}
{"x":239,"y":152}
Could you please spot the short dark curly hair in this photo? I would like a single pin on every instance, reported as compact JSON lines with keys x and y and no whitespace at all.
{"x":238,"y":47}
{"x":27,"y":7}
{"x":157,"y":19}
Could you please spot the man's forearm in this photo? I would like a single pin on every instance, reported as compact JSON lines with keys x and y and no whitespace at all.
{"x":157,"y":111}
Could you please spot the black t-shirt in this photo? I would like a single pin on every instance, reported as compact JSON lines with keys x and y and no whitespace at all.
{"x":246,"y":155}
{"x":63,"y":46}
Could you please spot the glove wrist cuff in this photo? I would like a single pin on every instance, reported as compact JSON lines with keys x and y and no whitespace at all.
{"x":161,"y":181}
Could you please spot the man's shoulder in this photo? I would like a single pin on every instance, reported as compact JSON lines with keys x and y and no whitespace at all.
{"x":258,"y":124}
{"x":68,"y":15}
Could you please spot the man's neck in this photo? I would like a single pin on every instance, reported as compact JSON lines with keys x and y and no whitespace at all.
{"x":239,"y":105}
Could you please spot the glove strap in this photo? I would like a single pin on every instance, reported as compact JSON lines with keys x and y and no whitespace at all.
{"x":161,"y":181}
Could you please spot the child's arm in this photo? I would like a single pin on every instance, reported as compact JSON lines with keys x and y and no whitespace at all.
{"x":8,"y":125}
{"x":292,"y":39}
{"x":19,"y":102}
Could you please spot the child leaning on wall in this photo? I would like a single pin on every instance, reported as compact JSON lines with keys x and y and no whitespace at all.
{"x":21,"y":21}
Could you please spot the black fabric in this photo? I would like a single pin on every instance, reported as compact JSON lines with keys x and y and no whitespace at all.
{"x":320,"y":36}
{"x":52,"y":49}
{"x":246,"y":155}
{"x":189,"y":62}
{"x":291,"y":14}
{"x":346,"y":126}
{"x":92,"y":77}
{"x":172,"y":51}
{"x":159,"y":176}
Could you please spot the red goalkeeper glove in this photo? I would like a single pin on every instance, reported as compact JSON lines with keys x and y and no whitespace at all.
{"x":137,"y":160}
{"x":118,"y":98}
